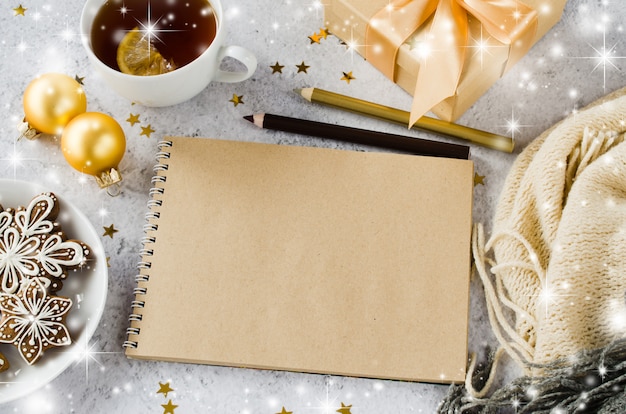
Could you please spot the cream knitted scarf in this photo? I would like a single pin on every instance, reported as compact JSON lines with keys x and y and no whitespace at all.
{"x":554,"y":268}
{"x":559,"y":240}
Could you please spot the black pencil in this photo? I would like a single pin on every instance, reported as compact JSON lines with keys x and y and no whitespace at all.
{"x":412,"y":145}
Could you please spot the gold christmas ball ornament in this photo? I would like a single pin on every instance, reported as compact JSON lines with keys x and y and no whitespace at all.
{"x":50,"y":102}
{"x":94,"y":143}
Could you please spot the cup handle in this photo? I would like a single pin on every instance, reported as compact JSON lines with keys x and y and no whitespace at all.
{"x":241,"y":54}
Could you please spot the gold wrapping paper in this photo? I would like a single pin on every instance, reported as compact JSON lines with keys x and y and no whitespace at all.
{"x":349,"y":19}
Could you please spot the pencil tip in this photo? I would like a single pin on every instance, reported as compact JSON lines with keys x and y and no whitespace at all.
{"x":306,"y":93}
{"x":249,"y":118}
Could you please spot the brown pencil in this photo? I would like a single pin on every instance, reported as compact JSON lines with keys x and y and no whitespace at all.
{"x":360,"y":136}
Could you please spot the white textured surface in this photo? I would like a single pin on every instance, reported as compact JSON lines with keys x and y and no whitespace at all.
{"x":560,"y":74}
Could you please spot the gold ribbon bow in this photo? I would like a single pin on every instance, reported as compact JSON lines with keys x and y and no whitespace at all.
{"x":511,"y":22}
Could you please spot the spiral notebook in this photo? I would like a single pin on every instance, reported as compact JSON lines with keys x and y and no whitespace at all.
{"x":305,"y":259}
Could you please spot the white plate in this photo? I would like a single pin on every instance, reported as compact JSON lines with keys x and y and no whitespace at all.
{"x":87,"y":288}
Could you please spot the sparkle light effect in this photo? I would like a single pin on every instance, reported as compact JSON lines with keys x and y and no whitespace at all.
{"x":87,"y":354}
{"x":352,"y":46}
{"x":149,"y":29}
{"x":123,"y":10}
{"x":516,"y":403}
{"x":37,"y":16}
{"x":15,"y":159}
{"x":327,"y":406}
{"x":617,"y":316}
{"x":67,"y":34}
{"x":605,"y":55}
{"x":513,"y":124}
{"x":39,"y":403}
{"x":22,"y":47}
{"x":317,"y":6}
{"x":421,"y":49}
{"x":103,"y":212}
{"x":546,"y":296}
{"x":481,"y":45}
{"x":550,"y":293}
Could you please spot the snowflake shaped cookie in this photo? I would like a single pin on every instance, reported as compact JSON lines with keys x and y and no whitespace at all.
{"x":32,"y":245}
{"x":34,"y":321}
{"x":35,"y":256}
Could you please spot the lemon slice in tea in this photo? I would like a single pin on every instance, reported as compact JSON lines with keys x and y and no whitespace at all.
{"x":137,"y":56}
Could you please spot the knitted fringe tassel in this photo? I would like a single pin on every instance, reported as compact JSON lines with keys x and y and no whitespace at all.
{"x":593,"y":381}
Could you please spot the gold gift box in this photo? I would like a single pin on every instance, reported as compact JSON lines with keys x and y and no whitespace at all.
{"x":348,"y":20}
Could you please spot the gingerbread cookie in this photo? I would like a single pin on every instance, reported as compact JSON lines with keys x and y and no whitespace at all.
{"x":4,"y":363}
{"x":35,"y":256}
{"x":5,"y":219}
{"x":34,"y":321}
{"x":32,"y":245}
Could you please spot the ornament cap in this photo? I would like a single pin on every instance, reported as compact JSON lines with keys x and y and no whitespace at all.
{"x":108,"y":178}
{"x":27,"y":131}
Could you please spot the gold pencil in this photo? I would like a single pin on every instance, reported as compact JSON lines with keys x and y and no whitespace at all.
{"x":486,"y":139}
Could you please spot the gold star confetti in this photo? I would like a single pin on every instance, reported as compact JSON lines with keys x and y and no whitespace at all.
{"x":277,"y":67}
{"x":302,"y":67}
{"x":169,"y":407}
{"x":315,"y":38}
{"x":347,"y":77}
{"x":164,"y":389}
{"x":285,"y":411}
{"x":345,"y":409}
{"x":323,"y":32}
{"x":147,"y":130}
{"x":108,"y":261}
{"x":133,"y":119}
{"x":19,"y":11}
{"x":478,"y":179}
{"x":79,"y":79}
{"x":236,"y":100}
{"x":109,"y":231}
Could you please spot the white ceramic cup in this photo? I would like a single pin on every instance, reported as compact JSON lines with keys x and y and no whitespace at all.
{"x":179,"y":85}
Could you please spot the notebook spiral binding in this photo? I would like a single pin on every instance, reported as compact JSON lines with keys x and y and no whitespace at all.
{"x":144,"y":265}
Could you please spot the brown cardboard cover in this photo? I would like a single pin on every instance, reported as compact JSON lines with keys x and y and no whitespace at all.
{"x":309,"y":259}
{"x":347,"y":19}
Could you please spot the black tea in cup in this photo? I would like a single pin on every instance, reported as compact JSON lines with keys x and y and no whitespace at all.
{"x":143,"y":37}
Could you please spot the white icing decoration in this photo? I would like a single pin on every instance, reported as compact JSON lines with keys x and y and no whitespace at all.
{"x":5,"y":221}
{"x":17,"y":259}
{"x":56,"y":253}
{"x":32,"y":220}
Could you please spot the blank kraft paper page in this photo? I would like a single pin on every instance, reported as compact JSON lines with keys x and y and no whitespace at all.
{"x":309,"y":259}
